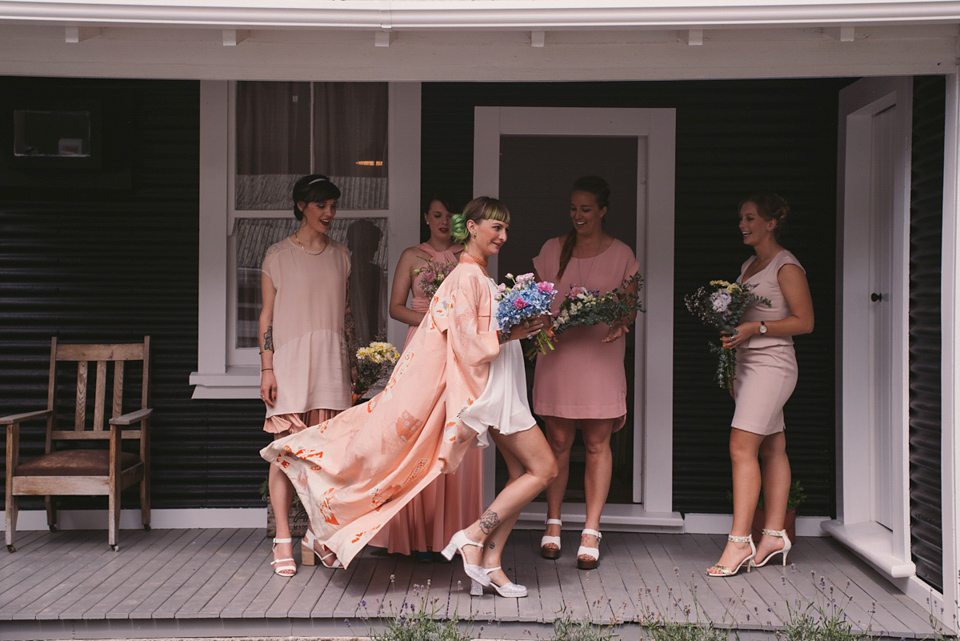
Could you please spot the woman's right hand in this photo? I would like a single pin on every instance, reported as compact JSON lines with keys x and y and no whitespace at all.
{"x":527,"y":328}
{"x":268,"y":387}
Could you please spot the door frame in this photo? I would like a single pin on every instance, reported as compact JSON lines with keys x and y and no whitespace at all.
{"x":888,"y":550}
{"x":653,"y":394}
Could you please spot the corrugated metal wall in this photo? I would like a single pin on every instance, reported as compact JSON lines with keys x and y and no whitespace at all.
{"x":112,"y":265}
{"x":926,"y":227}
{"x":733,"y":138}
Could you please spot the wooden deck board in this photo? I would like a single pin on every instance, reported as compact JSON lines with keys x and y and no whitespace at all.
{"x":177,"y":578}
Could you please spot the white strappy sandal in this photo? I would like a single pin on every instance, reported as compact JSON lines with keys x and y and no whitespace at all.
{"x":593,"y":553}
{"x":286,"y":571}
{"x":723,"y":571}
{"x":509,"y":590}
{"x":780,"y":534}
{"x":550,"y":553}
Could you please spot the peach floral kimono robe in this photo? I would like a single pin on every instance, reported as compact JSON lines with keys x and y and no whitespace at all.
{"x":355,"y":471}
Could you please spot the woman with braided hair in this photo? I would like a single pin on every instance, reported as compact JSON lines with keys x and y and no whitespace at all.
{"x":458,"y":383}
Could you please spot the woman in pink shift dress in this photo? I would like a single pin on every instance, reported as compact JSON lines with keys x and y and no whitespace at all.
{"x":766,"y":374}
{"x":458,"y":383}
{"x":455,"y":500}
{"x":596,"y":404}
{"x":304,"y":369}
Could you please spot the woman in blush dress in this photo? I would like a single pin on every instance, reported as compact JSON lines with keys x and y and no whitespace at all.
{"x":458,"y":383}
{"x":455,"y":500}
{"x":766,"y":375}
{"x":597,"y":405}
{"x":305,"y":375}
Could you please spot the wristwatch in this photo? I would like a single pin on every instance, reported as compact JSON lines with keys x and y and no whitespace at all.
{"x":763,"y":327}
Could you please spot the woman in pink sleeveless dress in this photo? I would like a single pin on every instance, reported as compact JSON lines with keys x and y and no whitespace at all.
{"x":305,"y":373}
{"x":459,"y":383}
{"x":766,"y":375}
{"x":596,"y":404}
{"x":454,"y":500}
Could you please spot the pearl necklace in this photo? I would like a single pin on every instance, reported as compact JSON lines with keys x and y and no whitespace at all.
{"x":306,"y":251}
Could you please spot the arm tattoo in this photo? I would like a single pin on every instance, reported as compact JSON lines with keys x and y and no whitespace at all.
{"x":492,"y":545}
{"x":489,"y":521}
{"x":268,"y":339}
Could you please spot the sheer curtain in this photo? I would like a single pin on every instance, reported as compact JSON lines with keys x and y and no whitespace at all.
{"x":348,"y":121}
{"x":365,"y":237}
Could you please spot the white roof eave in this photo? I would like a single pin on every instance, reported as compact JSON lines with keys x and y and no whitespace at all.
{"x":453,"y":15}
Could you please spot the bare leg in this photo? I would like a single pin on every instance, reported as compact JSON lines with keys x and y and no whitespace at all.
{"x":531,"y":450}
{"x":599,"y":471}
{"x":775,"y":470}
{"x":744,"y":448}
{"x":493,"y":550}
{"x":281,"y":497}
{"x":560,"y":434}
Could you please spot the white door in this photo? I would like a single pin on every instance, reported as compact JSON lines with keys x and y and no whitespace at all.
{"x":529,"y":156}
{"x":874,"y":215}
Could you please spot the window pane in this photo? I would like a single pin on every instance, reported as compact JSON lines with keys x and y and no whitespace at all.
{"x":365,"y":237}
{"x":273,"y":142}
{"x":350,"y":140}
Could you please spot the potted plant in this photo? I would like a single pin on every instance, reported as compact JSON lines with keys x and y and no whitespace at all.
{"x":298,"y":514}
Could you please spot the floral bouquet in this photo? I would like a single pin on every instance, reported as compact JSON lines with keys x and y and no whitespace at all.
{"x":525,"y":300}
{"x":583,"y":306}
{"x":722,"y":305}
{"x":431,"y":275}
{"x":373,"y":363}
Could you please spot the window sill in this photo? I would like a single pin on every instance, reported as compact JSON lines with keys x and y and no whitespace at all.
{"x":874,"y":544}
{"x":237,"y":382}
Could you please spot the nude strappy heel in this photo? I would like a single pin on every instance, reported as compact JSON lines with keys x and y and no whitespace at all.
{"x":780,"y":534}
{"x":722,"y":570}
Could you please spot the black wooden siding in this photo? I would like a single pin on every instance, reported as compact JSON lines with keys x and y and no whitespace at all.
{"x":104,"y":265}
{"x":733,"y":138}
{"x":114,"y":264}
{"x":926,"y":227}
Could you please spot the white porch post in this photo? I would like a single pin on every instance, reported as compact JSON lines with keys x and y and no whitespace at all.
{"x":950,"y":335}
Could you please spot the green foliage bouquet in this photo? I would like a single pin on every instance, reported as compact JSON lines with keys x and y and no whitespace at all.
{"x":583,"y":306}
{"x":373,"y":363}
{"x":721,"y":305}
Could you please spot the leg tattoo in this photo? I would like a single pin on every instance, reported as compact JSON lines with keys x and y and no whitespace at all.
{"x":489,"y":521}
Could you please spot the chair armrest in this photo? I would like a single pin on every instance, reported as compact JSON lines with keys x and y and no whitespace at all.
{"x":26,"y":416}
{"x":132,"y":417}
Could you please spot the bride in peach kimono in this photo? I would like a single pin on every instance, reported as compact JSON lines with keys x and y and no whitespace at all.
{"x":458,"y":382}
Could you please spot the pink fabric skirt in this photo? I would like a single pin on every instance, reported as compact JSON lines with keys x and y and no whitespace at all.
{"x":293,"y":423}
{"x":765,"y":380}
{"x":430,"y":519}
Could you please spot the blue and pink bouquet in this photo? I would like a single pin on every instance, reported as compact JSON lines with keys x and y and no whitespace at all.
{"x":721,"y":306}
{"x":525,"y":300}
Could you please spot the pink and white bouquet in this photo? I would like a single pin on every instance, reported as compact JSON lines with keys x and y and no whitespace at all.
{"x":525,"y":300}
{"x":431,"y":275}
{"x":584,"y":306}
{"x":721,"y":305}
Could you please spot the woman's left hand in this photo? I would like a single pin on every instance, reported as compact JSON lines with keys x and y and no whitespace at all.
{"x":527,"y":328}
{"x":617,"y":330}
{"x":742,"y":333}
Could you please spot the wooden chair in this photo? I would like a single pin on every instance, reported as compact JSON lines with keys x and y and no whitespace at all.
{"x":65,"y":468}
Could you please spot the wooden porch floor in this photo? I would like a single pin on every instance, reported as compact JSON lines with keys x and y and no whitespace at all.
{"x":218,"y":583}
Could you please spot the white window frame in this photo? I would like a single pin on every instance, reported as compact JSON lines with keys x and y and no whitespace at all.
{"x":224,"y":371}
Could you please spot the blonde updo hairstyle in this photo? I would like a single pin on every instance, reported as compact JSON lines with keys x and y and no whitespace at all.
{"x":482,"y":208}
{"x":770,"y":207}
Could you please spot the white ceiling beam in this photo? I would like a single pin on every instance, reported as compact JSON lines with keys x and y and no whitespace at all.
{"x":538,"y":38}
{"x":233,"y":37}
{"x":74,"y":35}
{"x":695,"y":37}
{"x":525,"y":15}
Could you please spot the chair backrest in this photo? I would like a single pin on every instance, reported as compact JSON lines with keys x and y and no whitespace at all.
{"x":93,"y":361}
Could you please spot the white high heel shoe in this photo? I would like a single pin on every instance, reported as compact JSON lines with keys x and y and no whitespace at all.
{"x":780,"y":534}
{"x":456,"y":544}
{"x":309,"y":554}
{"x":723,"y":571}
{"x":509,"y":590}
{"x":546,"y":539}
